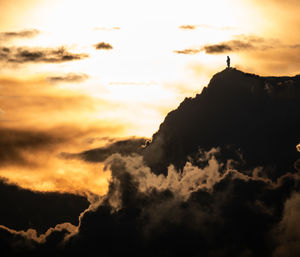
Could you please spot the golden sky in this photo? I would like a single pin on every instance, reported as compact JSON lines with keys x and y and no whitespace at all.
{"x":73,"y":71}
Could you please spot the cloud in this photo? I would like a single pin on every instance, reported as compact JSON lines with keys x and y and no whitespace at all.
{"x":26,"y":101}
{"x":18,"y":208}
{"x":142,"y":209}
{"x":31,"y":159}
{"x":240,"y":43}
{"x":29,"y":239}
{"x":37,"y":55}
{"x":188,"y":27}
{"x":288,"y":231}
{"x":229,"y":46}
{"x":147,"y":213}
{"x":187,"y":51}
{"x":38,"y":122}
{"x":19,"y":34}
{"x":69,"y":78}
{"x":205,"y":26}
{"x":107,"y":28}
{"x":283,"y":60}
{"x":17,"y":143}
{"x":124,"y":147}
{"x":103,"y":46}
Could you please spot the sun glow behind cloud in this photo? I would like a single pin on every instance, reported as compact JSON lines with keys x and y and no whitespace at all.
{"x":142,"y":47}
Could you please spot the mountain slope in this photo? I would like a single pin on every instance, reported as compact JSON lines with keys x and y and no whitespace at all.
{"x":258,"y":117}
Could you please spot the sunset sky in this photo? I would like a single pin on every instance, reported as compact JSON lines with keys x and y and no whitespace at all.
{"x":76,"y":75}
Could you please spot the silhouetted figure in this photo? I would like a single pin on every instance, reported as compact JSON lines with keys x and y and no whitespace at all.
{"x":228,"y":62}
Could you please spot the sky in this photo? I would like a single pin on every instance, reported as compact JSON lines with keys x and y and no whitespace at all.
{"x":76,"y":75}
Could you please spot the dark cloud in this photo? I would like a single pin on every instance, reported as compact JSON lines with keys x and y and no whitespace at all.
{"x":48,"y":55}
{"x":19,"y":34}
{"x":216,"y":180}
{"x":71,"y":77}
{"x":124,"y":147}
{"x":104,"y":46}
{"x":23,"y":209}
{"x":16,"y":144}
{"x":184,"y":214}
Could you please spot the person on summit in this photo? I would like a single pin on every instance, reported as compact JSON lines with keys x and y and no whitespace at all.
{"x":228,"y":62}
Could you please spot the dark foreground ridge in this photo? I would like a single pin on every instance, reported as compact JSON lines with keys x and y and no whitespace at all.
{"x":251,"y":118}
{"x":233,"y":189}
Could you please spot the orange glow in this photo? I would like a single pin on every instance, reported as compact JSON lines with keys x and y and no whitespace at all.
{"x":59,"y":175}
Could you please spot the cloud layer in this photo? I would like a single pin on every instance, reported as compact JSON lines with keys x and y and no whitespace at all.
{"x":174,"y":215}
{"x":38,"y":122}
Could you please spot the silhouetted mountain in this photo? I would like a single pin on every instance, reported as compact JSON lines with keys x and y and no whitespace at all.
{"x":258,"y":117}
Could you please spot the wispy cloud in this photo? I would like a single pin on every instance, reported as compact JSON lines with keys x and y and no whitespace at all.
{"x":203,"y":26}
{"x":239,"y":43}
{"x":107,"y":28}
{"x":70,"y":77}
{"x":15,"y":142}
{"x":38,"y":55}
{"x":229,"y":46}
{"x":188,"y":51}
{"x":188,"y":27}
{"x":19,"y":34}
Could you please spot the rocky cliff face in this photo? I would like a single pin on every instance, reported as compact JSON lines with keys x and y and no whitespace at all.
{"x":254,"y":120}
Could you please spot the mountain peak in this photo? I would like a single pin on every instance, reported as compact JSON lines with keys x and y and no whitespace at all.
{"x":233,"y":79}
{"x":243,"y":112}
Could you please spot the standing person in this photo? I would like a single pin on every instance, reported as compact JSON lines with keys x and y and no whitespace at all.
{"x":228,"y":62}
